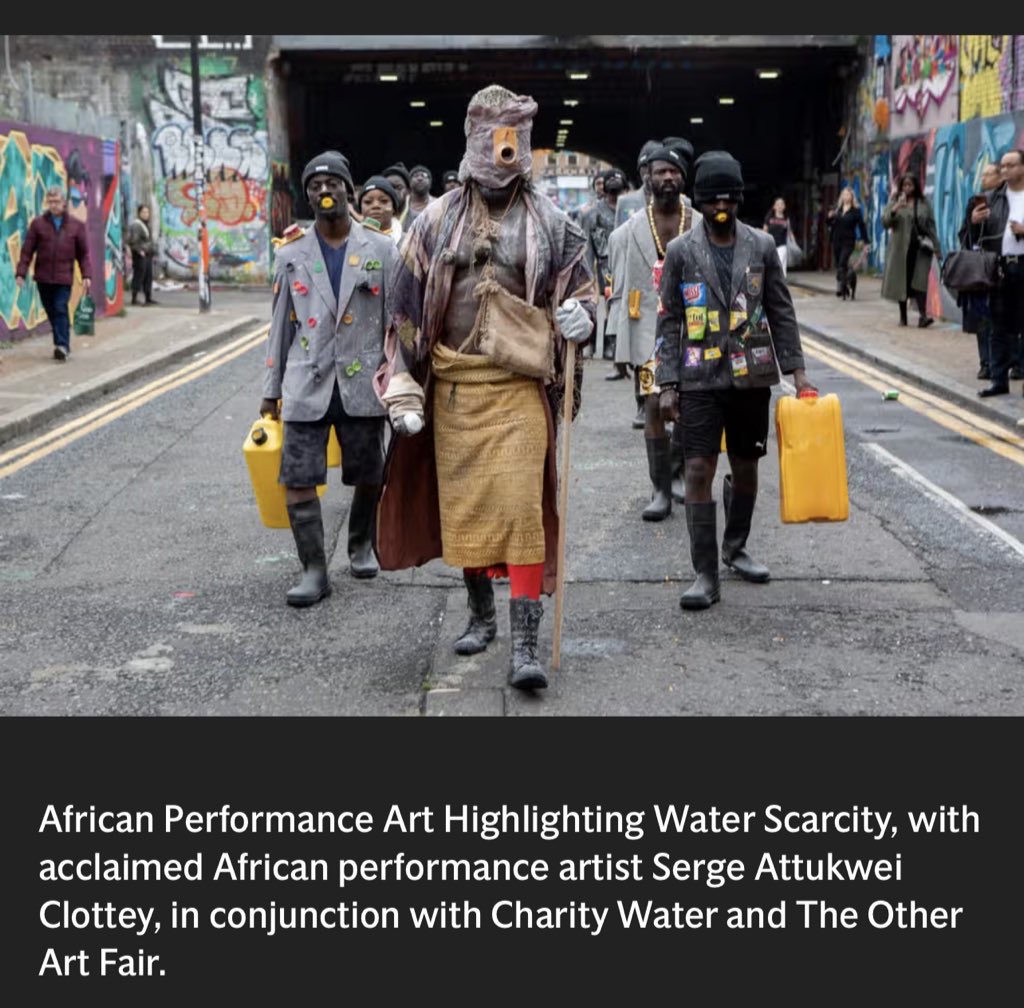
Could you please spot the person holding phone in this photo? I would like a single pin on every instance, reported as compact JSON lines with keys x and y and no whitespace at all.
{"x":976,"y":305}
{"x":913,"y":244}
{"x":1002,"y":229}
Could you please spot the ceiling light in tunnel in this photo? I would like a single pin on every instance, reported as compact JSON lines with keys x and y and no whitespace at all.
{"x":387,"y":77}
{"x":564,"y":122}
{"x":696,"y":120}
{"x":571,"y":102}
{"x":417,"y":104}
{"x":769,"y":74}
{"x":726,"y":101}
{"x":436,"y":122}
{"x":579,"y":75}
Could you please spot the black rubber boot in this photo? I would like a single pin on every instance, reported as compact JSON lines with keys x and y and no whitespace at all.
{"x":659,"y":466}
{"x":308,"y":529}
{"x":903,"y":313}
{"x":851,"y":282}
{"x":361,"y":515}
{"x":739,"y":509}
{"x":678,"y":464}
{"x":525,"y":670}
{"x":483,"y":624}
{"x":701,"y":522}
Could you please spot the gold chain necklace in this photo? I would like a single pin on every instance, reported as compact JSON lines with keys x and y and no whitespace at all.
{"x":654,"y":231}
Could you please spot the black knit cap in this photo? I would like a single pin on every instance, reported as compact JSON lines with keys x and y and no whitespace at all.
{"x":718,"y":177}
{"x":422,"y":168}
{"x":398,"y":168}
{"x":450,"y":176}
{"x":381,"y":183}
{"x":331,"y":162}
{"x":669,"y":154}
{"x":645,"y":152}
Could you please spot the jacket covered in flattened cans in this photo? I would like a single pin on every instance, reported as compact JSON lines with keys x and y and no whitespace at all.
{"x":316,"y":337}
{"x":710,"y":338}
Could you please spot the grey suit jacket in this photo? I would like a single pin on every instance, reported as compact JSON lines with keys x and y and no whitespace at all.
{"x":317,"y":338}
{"x":712,"y":338}
{"x":632,"y":255}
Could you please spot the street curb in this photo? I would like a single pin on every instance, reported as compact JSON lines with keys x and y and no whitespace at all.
{"x":23,"y":421}
{"x":930,"y":381}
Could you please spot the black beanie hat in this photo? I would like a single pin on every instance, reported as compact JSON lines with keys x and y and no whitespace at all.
{"x":331,"y":162}
{"x":718,"y":177}
{"x":669,"y":154}
{"x":398,"y":169}
{"x":450,"y":176}
{"x":422,"y":168}
{"x":645,"y":152}
{"x":381,"y":183}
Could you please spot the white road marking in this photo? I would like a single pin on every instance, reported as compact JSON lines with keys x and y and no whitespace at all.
{"x":909,"y":473}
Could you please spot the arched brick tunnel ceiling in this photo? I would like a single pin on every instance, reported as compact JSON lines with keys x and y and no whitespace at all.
{"x":779,"y":129}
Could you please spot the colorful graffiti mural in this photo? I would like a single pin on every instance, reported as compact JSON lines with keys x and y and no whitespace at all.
{"x":986,"y":72}
{"x":238,"y":173}
{"x":32,"y":158}
{"x":924,"y":81}
{"x":282,"y":204}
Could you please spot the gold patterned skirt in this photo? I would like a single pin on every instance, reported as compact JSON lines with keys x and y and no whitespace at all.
{"x":490,"y":441}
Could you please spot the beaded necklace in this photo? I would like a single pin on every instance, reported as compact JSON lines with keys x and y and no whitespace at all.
{"x":654,"y":231}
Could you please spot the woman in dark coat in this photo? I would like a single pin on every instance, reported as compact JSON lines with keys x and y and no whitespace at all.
{"x":913,"y":243}
{"x":846,"y":225}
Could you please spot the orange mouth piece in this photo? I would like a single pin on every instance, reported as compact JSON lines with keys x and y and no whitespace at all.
{"x":327,"y":202}
{"x":721,"y":217}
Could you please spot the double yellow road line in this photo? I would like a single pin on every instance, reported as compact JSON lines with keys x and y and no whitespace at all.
{"x":38,"y":448}
{"x":975,"y":428}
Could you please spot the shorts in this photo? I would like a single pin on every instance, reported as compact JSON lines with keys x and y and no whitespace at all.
{"x":742,"y":413}
{"x":304,"y":454}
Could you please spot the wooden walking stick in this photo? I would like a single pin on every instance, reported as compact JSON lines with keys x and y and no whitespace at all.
{"x":563,"y":499}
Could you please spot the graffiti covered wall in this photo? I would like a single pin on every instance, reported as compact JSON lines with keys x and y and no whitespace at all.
{"x":32,"y":158}
{"x":237,"y":169}
{"x":925,"y":82}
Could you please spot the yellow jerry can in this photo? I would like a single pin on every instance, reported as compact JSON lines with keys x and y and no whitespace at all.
{"x":262,"y":451}
{"x":333,"y":450}
{"x":812,"y":459}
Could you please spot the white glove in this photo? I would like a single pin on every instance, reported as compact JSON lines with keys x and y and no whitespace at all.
{"x":574,"y":322}
{"x":408,"y":423}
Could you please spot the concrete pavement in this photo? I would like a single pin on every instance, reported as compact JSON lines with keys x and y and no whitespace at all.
{"x":34,"y":388}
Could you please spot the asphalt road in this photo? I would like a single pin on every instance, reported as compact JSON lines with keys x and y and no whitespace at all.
{"x":136,"y":579}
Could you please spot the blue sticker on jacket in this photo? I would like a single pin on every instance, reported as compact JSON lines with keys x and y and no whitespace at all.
{"x":694,"y":294}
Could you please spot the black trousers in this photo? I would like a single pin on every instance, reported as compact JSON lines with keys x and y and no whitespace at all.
{"x":1007,"y":318}
{"x":142,"y":276}
{"x":842,"y":253}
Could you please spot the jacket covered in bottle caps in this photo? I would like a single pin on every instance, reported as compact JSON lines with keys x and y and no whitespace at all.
{"x":319,"y":336}
{"x":711,"y":338}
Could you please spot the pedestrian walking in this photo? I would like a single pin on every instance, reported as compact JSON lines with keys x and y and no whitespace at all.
{"x":776,"y":223}
{"x":56,"y":240}
{"x":492,"y":278}
{"x":912,"y":245}
{"x":326,"y":341}
{"x":846,"y":228}
{"x":727,"y":326}
{"x":637,"y":254}
{"x":143,"y":248}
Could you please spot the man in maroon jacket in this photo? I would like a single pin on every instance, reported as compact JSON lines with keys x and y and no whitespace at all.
{"x":57,"y":240}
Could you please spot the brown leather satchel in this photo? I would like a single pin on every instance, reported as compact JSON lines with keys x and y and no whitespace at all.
{"x":516,"y":335}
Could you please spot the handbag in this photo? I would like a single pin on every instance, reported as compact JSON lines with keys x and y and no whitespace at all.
{"x":85,"y":317}
{"x":794,"y":254}
{"x":516,"y":335}
{"x":970,"y":271}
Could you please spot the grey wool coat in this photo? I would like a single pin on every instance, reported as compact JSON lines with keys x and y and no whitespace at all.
{"x":631,"y":258}
{"x":901,"y":224}
{"x":317,"y":337}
